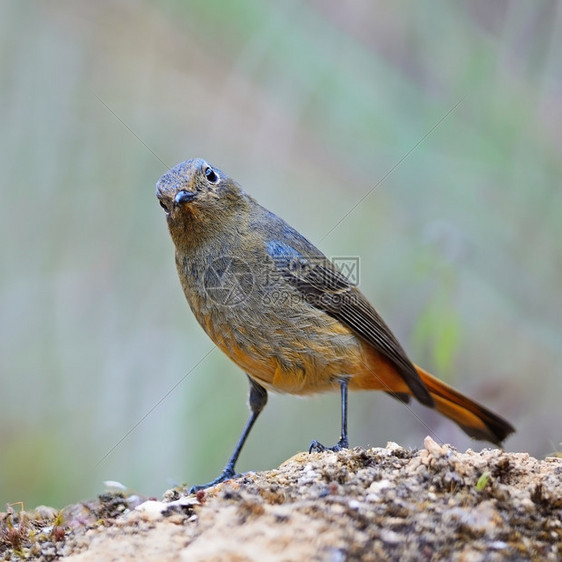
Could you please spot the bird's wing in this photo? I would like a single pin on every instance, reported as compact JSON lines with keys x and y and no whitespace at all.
{"x":323,"y":286}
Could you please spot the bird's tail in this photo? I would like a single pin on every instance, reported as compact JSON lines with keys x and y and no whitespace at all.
{"x":474,"y":419}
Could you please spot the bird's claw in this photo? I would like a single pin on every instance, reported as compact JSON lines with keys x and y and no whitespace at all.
{"x":316,"y":447}
{"x":227,"y":474}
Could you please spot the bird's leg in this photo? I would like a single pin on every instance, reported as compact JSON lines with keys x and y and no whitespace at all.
{"x":257,"y":402}
{"x":343,"y":442}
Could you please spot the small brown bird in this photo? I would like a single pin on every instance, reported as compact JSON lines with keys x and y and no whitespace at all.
{"x":284,"y":313}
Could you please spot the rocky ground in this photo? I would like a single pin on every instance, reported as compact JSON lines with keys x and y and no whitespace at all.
{"x":377,"y":504}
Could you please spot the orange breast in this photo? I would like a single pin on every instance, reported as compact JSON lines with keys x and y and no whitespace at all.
{"x":311,"y":361}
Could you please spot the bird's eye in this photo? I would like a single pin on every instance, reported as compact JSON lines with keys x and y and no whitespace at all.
{"x":211,"y":175}
{"x":164,"y":206}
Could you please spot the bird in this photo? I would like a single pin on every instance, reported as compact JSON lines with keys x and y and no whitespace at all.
{"x":284,"y":313}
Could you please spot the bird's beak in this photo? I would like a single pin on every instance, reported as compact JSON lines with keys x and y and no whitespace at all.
{"x":184,"y":196}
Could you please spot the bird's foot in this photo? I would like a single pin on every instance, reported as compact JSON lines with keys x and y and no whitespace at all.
{"x":316,"y":447}
{"x":227,"y":474}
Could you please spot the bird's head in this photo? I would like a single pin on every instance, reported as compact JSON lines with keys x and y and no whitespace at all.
{"x":196,"y":197}
{"x":189,"y":187}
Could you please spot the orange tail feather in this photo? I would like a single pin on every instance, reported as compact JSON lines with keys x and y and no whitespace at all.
{"x":472,"y":418}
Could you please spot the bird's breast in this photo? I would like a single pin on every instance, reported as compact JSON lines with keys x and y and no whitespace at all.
{"x":267,"y":328}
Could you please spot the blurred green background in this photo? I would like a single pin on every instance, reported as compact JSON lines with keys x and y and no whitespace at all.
{"x":453,"y":110}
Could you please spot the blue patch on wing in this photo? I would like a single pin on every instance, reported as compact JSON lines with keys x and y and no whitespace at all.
{"x":280,"y":250}
{"x":286,"y":258}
